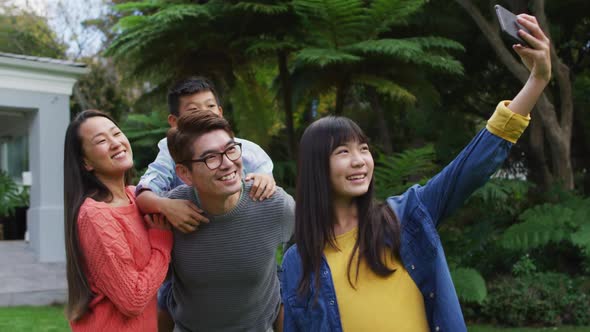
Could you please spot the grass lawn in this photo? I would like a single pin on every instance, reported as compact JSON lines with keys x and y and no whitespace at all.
{"x":37,"y":319}
{"x":485,"y":328}
{"x":51,"y":319}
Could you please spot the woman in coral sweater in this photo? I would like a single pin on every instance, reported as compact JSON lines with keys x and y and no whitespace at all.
{"x":116,"y":259}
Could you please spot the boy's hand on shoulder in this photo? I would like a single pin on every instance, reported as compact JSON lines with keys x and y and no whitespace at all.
{"x":264,"y":186}
{"x":157,"y":221}
{"x":183,"y":214}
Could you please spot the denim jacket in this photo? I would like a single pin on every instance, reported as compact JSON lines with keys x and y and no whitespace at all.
{"x":419,"y":210}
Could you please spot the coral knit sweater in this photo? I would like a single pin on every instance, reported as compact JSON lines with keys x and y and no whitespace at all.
{"x":125,"y":265}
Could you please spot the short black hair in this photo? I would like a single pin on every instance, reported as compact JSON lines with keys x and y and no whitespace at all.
{"x":186,"y":87}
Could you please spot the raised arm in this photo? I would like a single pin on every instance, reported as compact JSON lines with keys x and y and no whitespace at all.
{"x":488,"y":150}
{"x":538,"y":62}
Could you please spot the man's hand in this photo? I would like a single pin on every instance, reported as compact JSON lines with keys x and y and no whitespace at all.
{"x":263,"y":187}
{"x":182,"y":214}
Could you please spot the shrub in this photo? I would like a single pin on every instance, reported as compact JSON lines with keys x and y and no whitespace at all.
{"x":546,"y":299}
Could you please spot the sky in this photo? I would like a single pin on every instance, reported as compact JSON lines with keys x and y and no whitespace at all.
{"x":66,"y":17}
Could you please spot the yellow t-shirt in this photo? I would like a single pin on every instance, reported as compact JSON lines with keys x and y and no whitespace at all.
{"x":392,"y":303}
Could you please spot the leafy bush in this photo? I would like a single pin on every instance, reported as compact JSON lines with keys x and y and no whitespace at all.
{"x":11,"y":195}
{"x":546,"y":299}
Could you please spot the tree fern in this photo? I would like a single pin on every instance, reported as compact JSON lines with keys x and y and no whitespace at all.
{"x":551,"y":223}
{"x":260,"y":8}
{"x":136,"y":6}
{"x":395,"y":173}
{"x":324,"y":57}
{"x":387,"y":88}
{"x":253,"y":103}
{"x":505,"y":195}
{"x":333,"y":22}
{"x":469,"y":284}
{"x":385,"y":13}
{"x":145,"y":130}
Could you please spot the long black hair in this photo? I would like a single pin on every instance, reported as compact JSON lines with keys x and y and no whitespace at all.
{"x":78,"y":185}
{"x":379,"y":229}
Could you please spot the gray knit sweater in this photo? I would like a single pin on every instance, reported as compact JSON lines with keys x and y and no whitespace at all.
{"x":224,"y":275}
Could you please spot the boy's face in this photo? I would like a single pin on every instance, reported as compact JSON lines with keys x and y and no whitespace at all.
{"x":204,"y":100}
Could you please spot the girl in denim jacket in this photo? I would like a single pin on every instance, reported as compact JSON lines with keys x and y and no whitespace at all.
{"x":358,"y":265}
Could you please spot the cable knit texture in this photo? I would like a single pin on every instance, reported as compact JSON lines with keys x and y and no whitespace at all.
{"x":125,"y":265}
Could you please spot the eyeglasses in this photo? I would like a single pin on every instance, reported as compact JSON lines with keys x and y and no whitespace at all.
{"x":215,"y":159}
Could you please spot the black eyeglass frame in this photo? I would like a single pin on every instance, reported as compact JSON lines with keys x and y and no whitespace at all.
{"x":219,"y":157}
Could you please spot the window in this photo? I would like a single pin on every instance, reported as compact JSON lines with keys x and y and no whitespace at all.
{"x":14,"y":156}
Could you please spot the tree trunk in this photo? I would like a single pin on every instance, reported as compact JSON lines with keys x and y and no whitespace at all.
{"x":287,"y":101}
{"x":384,"y":137}
{"x":558,"y":130}
{"x":341,"y":90}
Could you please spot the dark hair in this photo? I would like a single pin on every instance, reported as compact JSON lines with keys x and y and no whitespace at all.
{"x":379,"y":229}
{"x":187,"y":87}
{"x":189,"y":127}
{"x":78,"y":185}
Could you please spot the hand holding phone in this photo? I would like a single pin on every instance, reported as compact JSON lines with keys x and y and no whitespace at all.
{"x":509,"y":26}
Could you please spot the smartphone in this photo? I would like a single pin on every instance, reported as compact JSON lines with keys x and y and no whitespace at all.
{"x":509,"y":26}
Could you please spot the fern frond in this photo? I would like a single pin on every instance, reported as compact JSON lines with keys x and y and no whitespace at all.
{"x":129,"y":22}
{"x":334,"y":22}
{"x":469,"y":284}
{"x":253,"y":102}
{"x":318,"y":57}
{"x":177,"y":13}
{"x":386,"y":13}
{"x":581,"y":238}
{"x":136,"y":6}
{"x":394,"y":173}
{"x":260,"y":8}
{"x":387,"y":88}
{"x":541,"y":225}
{"x":406,"y":50}
{"x":268,"y":45}
{"x":437,"y":43}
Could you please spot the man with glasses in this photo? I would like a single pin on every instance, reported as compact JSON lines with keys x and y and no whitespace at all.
{"x":223,"y":276}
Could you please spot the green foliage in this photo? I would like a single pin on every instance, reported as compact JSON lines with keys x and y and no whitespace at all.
{"x":546,"y":223}
{"x":135,"y":6}
{"x":324,"y":57}
{"x":145,"y":130}
{"x":100,"y":89}
{"x":344,"y":47}
{"x":23,"y":32}
{"x":285,"y":174}
{"x":260,"y":8}
{"x":11,"y":195}
{"x":254,"y":110}
{"x":546,"y":299}
{"x":395,"y":173}
{"x":388,"y":88}
{"x":524,"y":267}
{"x":502,"y":195}
{"x":387,"y":13}
{"x":413,"y":50}
{"x":469,"y":284}
{"x":334,"y":22}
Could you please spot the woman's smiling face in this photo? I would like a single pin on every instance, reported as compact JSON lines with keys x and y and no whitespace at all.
{"x":351,"y":170}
